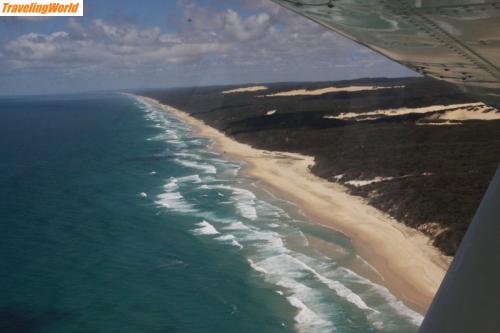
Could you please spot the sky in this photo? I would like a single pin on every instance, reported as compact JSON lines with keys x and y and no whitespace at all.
{"x":122,"y":44}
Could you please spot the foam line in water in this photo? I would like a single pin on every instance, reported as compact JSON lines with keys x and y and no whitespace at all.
{"x":237,"y":226}
{"x":215,"y":187}
{"x":167,"y":135}
{"x":367,"y":264}
{"x":287,"y":262}
{"x":171,"y":185}
{"x":175,"y":201}
{"x":205,"y":228}
{"x":207,"y":168}
{"x":271,"y":211}
{"x":244,"y":199}
{"x":190,"y":179}
{"x":311,"y":313}
{"x":256,"y":267}
{"x":340,"y":289}
{"x":306,"y":319}
{"x":414,"y":317}
{"x":231,"y":239}
{"x":247,"y":210}
{"x":188,"y":155}
{"x":269,"y":240}
{"x":245,"y":203}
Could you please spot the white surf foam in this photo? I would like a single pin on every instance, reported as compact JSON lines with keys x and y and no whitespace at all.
{"x":245,"y":203}
{"x":187,"y":155}
{"x":166,"y":135}
{"x":207,"y":168}
{"x":236,"y":226}
{"x":413,"y":317}
{"x":231,"y":239}
{"x":256,"y":267}
{"x":215,"y":187}
{"x":367,"y":264}
{"x":306,"y":319}
{"x":175,"y":201}
{"x":205,"y":228}
{"x":270,"y":211}
{"x":268,"y":240}
{"x":312,"y":314}
{"x":286,"y":261}
{"x":247,"y":210}
{"x":338,"y":287}
{"x":190,"y":179}
{"x":243,"y":199}
{"x":171,"y":185}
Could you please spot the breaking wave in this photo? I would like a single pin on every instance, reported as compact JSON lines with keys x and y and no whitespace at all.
{"x":175,"y":201}
{"x":205,"y":228}
{"x":231,"y":239}
{"x":208,"y":168}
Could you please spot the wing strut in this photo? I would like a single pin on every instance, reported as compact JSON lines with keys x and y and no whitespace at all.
{"x":469,"y":297}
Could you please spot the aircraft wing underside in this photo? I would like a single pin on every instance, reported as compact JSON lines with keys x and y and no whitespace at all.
{"x":453,"y":40}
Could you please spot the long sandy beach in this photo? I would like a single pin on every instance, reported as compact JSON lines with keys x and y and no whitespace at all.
{"x":410,"y":266}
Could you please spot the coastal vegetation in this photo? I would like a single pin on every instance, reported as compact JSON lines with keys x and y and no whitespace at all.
{"x":429,"y":177}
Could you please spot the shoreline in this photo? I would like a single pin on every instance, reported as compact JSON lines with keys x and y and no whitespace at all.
{"x":410,"y":266}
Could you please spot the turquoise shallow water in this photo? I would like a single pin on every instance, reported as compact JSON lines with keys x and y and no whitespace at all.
{"x":115,"y":217}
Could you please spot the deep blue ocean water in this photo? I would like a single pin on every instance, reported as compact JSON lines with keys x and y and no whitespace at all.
{"x":115,"y":217}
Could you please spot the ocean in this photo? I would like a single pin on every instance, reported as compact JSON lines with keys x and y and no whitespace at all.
{"x":117,"y":217}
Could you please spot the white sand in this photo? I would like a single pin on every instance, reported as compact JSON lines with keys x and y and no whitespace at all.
{"x":359,"y":183}
{"x":482,"y":112}
{"x":304,"y":92}
{"x":338,"y":177}
{"x":364,"y":182}
{"x":456,"y":112}
{"x":411,"y":267}
{"x":245,"y":89}
{"x":444,"y":123}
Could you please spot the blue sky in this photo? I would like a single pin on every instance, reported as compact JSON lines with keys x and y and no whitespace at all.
{"x":168,"y":43}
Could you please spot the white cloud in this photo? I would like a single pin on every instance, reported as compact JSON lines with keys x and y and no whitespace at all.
{"x":265,"y":39}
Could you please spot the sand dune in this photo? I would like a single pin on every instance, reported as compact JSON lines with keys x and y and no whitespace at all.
{"x":456,"y":112}
{"x":304,"y":92}
{"x":411,"y":268}
{"x":444,"y":123}
{"x":245,"y":89}
{"x":483,"y":112}
{"x":378,"y":179}
{"x":359,"y":183}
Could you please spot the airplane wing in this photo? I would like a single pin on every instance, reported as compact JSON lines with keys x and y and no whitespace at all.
{"x":453,"y":40}
{"x":469,"y":296}
{"x":456,"y":41}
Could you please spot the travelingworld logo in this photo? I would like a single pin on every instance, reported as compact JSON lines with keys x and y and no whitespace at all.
{"x":41,"y":8}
